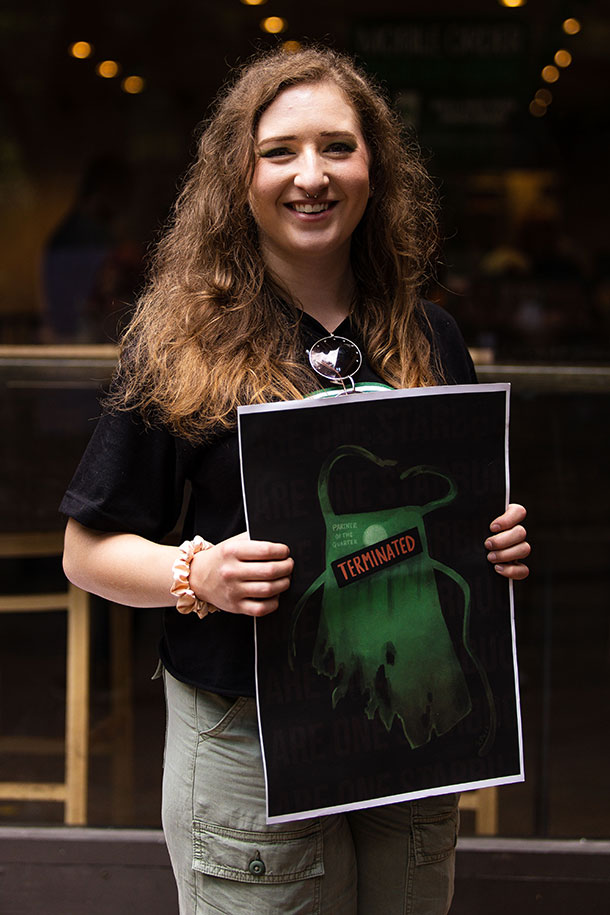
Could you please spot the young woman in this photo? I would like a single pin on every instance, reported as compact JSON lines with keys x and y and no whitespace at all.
{"x":304,"y":214}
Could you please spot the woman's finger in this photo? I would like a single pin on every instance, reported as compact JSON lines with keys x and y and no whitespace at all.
{"x":257,"y":571}
{"x":516,"y":571}
{"x":511,"y":554}
{"x":246,"y":550}
{"x":506,"y":539}
{"x":259,"y":590}
{"x":514,"y":514}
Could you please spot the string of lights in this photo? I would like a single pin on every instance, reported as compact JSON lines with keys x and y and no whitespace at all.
{"x":133,"y":84}
{"x":108,"y":68}
{"x":274,"y":25}
{"x":550,"y":73}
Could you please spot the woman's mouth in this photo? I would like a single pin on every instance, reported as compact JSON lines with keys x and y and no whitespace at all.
{"x":311,"y":207}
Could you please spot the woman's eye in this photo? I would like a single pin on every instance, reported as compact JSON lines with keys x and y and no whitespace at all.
{"x":340,"y":147}
{"x":275,"y":153}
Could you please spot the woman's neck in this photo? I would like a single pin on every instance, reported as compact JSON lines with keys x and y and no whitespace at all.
{"x":323,"y":289}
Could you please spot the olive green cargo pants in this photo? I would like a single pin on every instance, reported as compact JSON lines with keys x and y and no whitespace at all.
{"x":391,"y":860}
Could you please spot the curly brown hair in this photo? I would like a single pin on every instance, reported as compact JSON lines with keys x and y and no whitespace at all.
{"x":205,"y":336}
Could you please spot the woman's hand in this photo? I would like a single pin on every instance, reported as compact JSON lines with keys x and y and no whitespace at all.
{"x":507,"y":546}
{"x":241,"y":575}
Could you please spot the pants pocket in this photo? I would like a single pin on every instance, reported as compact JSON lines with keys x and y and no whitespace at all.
{"x":257,"y":857}
{"x":258,"y":871}
{"x":216,"y":713}
{"x":435,"y":828}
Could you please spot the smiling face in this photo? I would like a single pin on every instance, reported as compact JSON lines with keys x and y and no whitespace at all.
{"x":311,"y":179}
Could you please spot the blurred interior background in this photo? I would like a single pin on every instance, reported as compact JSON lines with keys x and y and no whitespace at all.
{"x":510,"y":102}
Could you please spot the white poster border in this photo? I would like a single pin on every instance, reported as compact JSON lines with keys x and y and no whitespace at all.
{"x":332,"y":403}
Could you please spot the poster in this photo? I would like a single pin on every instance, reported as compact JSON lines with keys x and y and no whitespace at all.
{"x":389,"y":670}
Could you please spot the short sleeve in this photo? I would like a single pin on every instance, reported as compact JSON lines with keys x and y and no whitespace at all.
{"x":130,"y":479}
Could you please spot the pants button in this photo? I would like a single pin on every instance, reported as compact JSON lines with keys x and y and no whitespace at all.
{"x":256,"y":866}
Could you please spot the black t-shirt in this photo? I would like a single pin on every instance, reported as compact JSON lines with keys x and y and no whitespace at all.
{"x":132,"y":478}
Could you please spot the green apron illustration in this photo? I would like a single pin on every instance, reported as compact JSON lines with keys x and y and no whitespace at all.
{"x":381,"y":623}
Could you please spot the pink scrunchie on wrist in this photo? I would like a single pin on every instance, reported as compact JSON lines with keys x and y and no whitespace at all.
{"x":188,"y":601}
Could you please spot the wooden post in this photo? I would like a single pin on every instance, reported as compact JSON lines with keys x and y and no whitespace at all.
{"x":77,"y":706}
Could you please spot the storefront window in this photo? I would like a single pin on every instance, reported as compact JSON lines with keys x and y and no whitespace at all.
{"x":91,"y":163}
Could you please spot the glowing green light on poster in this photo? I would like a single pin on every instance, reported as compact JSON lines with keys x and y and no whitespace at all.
{"x":381,"y":623}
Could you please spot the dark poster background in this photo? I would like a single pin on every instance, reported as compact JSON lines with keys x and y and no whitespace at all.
{"x":322,"y":641}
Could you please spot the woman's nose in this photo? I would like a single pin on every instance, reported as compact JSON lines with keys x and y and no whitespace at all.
{"x":311,"y":175}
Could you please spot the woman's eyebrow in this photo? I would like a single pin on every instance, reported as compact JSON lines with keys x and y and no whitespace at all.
{"x":276,"y":139}
{"x":323,"y":133}
{"x":338,"y":133}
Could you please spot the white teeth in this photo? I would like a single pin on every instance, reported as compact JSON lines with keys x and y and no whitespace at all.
{"x":310,"y":207}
